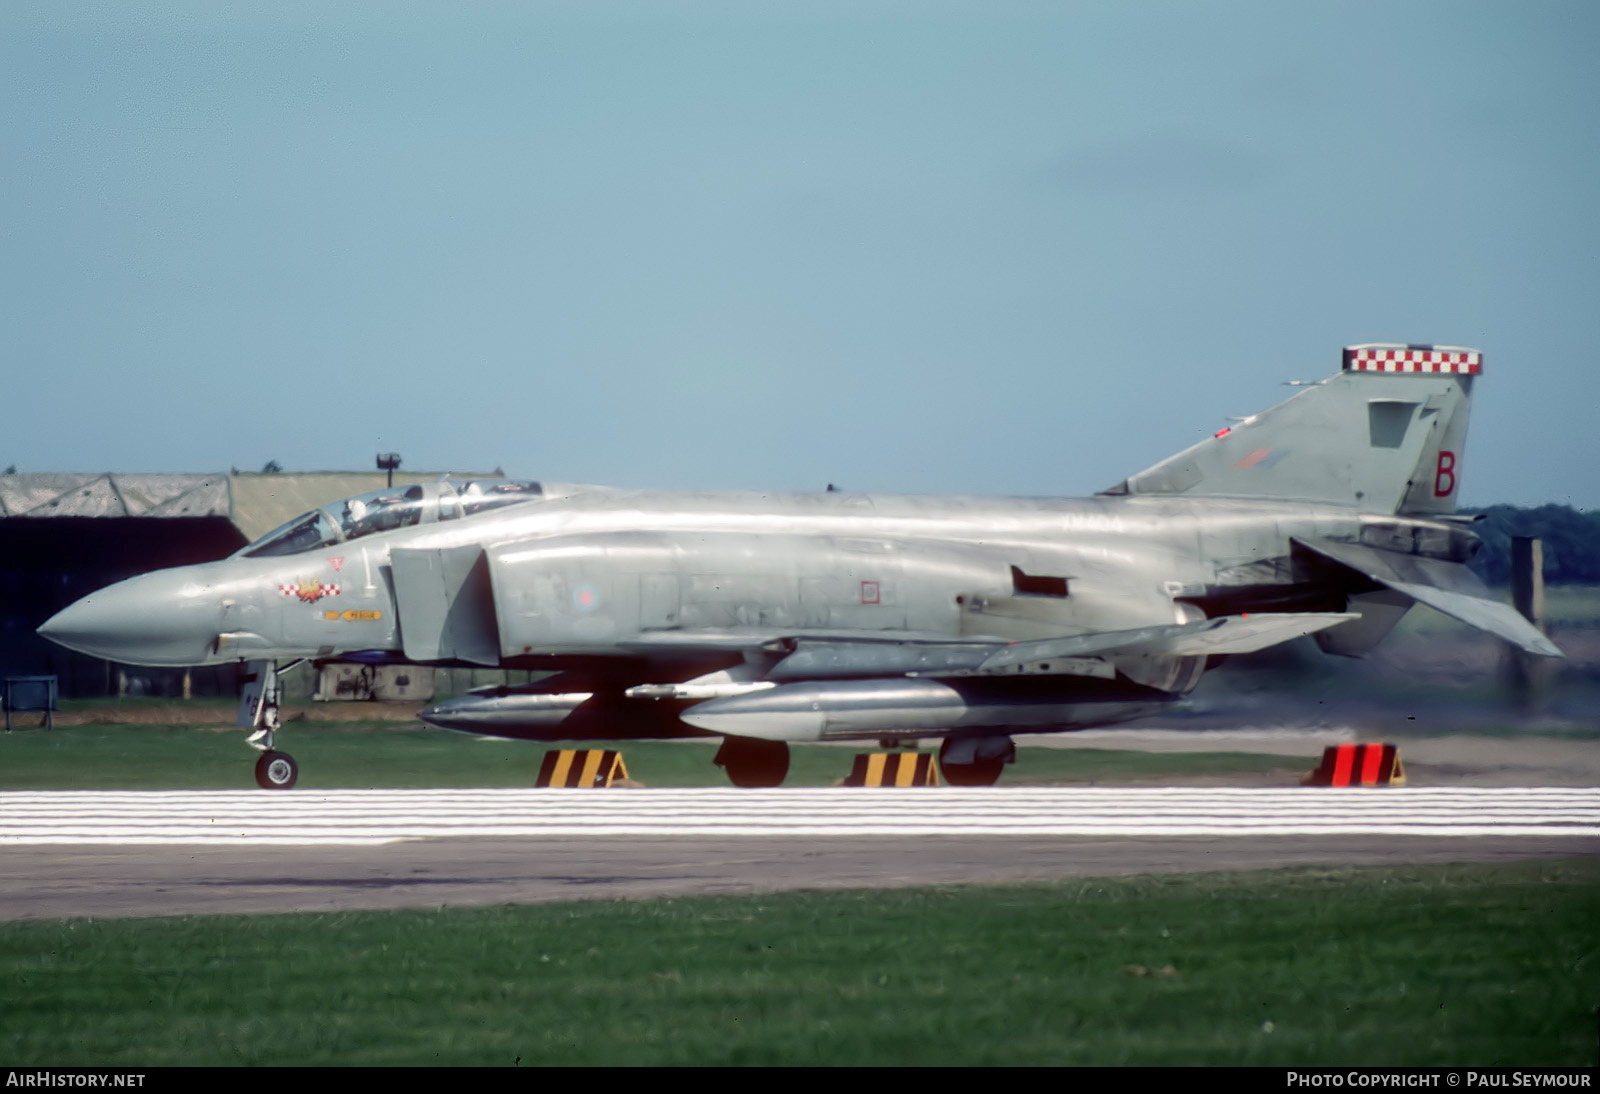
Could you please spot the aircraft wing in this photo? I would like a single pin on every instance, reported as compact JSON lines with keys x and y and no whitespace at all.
{"x":809,"y":655}
{"x":1448,"y":587}
{"x":1226,"y":634}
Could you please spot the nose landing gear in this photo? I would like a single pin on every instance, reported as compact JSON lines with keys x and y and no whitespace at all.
{"x":258,"y":711}
{"x":276,"y":771}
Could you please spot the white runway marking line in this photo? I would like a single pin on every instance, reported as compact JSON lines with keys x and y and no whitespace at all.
{"x":367,"y":817}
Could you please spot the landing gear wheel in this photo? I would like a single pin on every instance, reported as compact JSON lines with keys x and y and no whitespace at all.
{"x":753,"y":764}
{"x":276,"y":771}
{"x":980,"y":772}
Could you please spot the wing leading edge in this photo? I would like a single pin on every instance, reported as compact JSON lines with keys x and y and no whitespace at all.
{"x":811,"y":655}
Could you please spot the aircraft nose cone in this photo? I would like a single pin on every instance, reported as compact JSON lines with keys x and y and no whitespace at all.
{"x":163,"y":618}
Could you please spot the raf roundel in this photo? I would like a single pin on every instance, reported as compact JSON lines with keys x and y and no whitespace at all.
{"x":584,"y":598}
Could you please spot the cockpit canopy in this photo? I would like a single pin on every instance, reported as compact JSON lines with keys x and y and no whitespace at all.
{"x":394,"y":507}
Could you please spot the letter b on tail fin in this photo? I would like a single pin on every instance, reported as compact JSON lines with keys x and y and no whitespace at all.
{"x":1444,"y":476}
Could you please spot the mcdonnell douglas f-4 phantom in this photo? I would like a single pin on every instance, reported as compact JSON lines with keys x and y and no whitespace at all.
{"x":769,"y":619}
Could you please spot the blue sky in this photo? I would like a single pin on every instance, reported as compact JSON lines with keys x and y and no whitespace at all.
{"x":912,"y":247}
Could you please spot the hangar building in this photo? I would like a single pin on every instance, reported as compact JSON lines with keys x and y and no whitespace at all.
{"x":62,"y":536}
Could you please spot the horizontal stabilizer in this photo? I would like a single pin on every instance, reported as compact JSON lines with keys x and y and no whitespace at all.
{"x":1447,"y":587}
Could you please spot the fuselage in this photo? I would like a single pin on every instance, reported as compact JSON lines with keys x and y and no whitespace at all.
{"x":595,"y":571}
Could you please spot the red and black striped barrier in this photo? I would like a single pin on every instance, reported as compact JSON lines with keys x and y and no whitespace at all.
{"x":1359,"y":765}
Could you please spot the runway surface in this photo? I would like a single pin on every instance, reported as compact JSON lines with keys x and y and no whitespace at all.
{"x":161,"y":853}
{"x":366,"y":817}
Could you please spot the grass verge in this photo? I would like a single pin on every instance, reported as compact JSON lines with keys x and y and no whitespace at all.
{"x":141,"y":757}
{"x":1375,"y":966}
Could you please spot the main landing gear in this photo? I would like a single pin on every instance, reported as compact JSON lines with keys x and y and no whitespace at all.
{"x":258,"y":710}
{"x":975,"y":761}
{"x":753,"y":764}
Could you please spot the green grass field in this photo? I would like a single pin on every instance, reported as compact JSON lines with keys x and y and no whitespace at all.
{"x":142,"y":757}
{"x":1416,"y":966}
{"x":1573,"y":605}
{"x":1492,"y":964}
{"x":1564,"y":605}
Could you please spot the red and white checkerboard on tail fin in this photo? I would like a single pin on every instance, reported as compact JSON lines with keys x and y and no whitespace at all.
{"x":1382,"y":357}
{"x":1386,"y":434}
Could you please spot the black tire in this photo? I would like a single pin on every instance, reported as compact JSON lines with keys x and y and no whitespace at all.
{"x":753,"y":764}
{"x":277,"y":771}
{"x":977,"y":773}
{"x":982,"y":773}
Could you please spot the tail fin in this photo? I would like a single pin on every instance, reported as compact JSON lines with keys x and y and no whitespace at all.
{"x":1385,"y":434}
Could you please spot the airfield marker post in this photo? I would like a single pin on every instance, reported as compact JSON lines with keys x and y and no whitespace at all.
{"x":1530,"y":675}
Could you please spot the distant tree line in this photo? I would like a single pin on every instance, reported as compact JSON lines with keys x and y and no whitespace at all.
{"x":1571,"y":542}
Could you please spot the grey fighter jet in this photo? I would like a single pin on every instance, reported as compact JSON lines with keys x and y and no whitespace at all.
{"x":768,"y":619}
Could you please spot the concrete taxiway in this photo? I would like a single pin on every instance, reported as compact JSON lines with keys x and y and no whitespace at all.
{"x":61,"y":882}
{"x":257,"y":867}
{"x":74,"y":854}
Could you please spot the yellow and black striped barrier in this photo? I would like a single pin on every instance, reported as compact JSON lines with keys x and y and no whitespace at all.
{"x":582,"y":767}
{"x":1359,"y":765}
{"x":894,"y":769}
